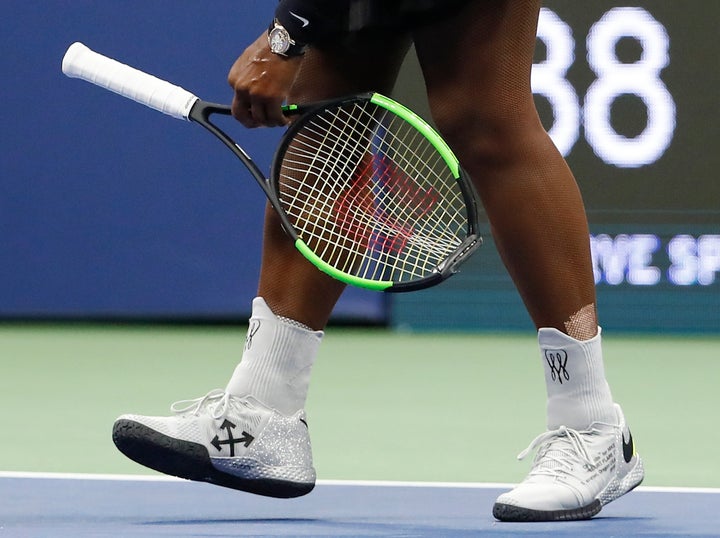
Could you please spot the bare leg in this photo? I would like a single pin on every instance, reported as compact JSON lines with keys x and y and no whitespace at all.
{"x":478,"y":79}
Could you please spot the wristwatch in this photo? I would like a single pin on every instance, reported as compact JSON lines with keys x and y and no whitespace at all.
{"x":281,"y":43}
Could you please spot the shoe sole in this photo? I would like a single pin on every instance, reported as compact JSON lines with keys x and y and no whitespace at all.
{"x":511,"y":513}
{"x":189,"y":460}
{"x":508,"y":512}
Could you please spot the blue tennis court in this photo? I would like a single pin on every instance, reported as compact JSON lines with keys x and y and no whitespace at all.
{"x":41,"y":505}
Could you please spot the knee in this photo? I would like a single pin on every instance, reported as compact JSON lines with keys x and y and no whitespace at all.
{"x":489,"y":133}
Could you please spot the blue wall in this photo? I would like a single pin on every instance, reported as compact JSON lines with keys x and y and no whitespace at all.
{"x":109,"y":209}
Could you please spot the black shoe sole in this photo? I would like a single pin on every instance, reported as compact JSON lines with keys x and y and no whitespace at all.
{"x":507,"y":512}
{"x":191,"y":461}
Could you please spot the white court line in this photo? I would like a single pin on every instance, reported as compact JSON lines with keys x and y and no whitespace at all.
{"x":359,"y":483}
{"x":89,"y":476}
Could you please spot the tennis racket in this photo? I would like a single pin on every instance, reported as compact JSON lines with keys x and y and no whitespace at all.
{"x":366,"y":189}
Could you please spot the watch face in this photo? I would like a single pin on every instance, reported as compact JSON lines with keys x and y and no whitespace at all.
{"x":279,"y":40}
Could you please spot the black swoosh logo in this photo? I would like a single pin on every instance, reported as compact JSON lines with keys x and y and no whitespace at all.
{"x":628,"y":448}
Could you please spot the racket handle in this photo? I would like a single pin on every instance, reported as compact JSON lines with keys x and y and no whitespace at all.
{"x":81,"y":62}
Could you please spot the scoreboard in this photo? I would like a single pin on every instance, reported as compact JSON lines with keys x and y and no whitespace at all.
{"x":628,"y":92}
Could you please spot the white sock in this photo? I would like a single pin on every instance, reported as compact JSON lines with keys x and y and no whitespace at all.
{"x":578,"y":393}
{"x":276,"y":362}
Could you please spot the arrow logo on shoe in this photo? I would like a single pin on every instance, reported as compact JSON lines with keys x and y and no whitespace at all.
{"x":228,"y":426}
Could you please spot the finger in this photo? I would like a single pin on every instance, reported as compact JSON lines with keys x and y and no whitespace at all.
{"x":267,"y":112}
{"x":274,"y":114}
{"x":241,"y":109}
{"x":257,"y":111}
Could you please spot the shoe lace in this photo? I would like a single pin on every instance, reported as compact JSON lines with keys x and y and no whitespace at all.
{"x":558,"y":451}
{"x":217,"y":402}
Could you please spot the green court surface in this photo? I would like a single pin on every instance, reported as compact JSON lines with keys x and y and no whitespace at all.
{"x":383,"y":405}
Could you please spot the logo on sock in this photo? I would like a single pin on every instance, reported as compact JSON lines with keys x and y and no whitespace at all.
{"x":252,"y":331}
{"x":557,"y":361}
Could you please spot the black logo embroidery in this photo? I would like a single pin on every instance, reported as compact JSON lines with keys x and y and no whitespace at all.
{"x":628,"y":447}
{"x":228,"y":426}
{"x":557,"y":361}
{"x":252,"y":331}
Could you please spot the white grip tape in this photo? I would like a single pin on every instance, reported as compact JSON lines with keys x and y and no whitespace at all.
{"x":81,"y":62}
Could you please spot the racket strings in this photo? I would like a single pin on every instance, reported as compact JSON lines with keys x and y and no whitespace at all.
{"x":401,"y":203}
{"x":407,"y":163}
{"x":336,"y":149}
{"x":418,"y":158}
{"x":383,"y":224}
{"x":371,"y":195}
{"x":360,"y":226}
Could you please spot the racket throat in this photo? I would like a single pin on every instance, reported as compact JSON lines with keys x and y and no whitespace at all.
{"x":452,"y":263}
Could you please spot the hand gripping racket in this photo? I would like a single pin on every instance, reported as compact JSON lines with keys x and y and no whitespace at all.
{"x":366,"y":189}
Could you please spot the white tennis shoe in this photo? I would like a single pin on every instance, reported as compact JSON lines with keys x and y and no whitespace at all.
{"x":574,"y":474}
{"x":234,"y":442}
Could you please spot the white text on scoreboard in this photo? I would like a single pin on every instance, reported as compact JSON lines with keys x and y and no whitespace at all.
{"x":645,"y":260}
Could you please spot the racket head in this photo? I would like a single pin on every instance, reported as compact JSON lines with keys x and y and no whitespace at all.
{"x":372,"y":194}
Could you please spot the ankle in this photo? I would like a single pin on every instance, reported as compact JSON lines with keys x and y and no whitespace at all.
{"x":277,"y":361}
{"x":577,"y":390}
